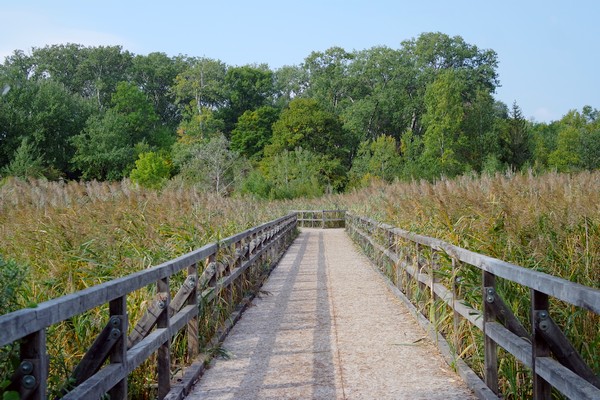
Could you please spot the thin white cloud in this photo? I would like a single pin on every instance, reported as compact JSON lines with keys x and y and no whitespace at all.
{"x":25,"y":29}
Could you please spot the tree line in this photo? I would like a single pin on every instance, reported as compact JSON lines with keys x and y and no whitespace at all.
{"x":339,"y":120}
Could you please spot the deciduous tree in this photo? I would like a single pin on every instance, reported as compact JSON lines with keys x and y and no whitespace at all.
{"x":444,"y":139}
{"x":376,"y":159}
{"x":253,"y":131}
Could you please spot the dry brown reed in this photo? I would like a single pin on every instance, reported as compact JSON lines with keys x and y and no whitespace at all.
{"x":74,"y":235}
{"x":550,"y":223}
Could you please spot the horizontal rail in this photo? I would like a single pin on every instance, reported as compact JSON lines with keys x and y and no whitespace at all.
{"x":568,"y":373}
{"x":240,"y":255}
{"x":559,"y":288}
{"x":321,"y":218}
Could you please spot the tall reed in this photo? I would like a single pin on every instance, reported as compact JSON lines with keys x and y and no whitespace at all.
{"x":550,"y":223}
{"x":73,"y":235}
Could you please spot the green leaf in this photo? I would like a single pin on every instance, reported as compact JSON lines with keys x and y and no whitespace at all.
{"x":11,"y":395}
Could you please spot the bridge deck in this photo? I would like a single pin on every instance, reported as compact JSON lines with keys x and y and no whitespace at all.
{"x":328,"y":329}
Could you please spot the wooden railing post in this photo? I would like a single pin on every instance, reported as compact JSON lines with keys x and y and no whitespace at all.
{"x":33,"y":370}
{"x":193,"y":347}
{"x":539,"y":347}
{"x":418,"y":266}
{"x":490,"y":347}
{"x":164,"y":352}
{"x":118,"y":355}
{"x":456,"y":318}
{"x":435,"y":316}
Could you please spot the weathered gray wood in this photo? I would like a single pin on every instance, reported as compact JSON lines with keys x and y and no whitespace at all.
{"x":564,"y":351}
{"x":288,"y":219}
{"x":585,"y":297}
{"x":569,"y":383}
{"x":98,"y":384}
{"x":562,"y":289}
{"x":98,"y":352}
{"x":455,"y":315}
{"x":148,"y":320}
{"x":515,"y":345}
{"x":490,"y":346}
{"x":31,"y":375}
{"x":208,"y":274}
{"x":118,"y":308}
{"x":539,"y":348}
{"x":565,"y":380}
{"x":163,"y":358}
{"x":506,"y":316}
{"x":193,"y":344}
{"x":102,"y":381}
{"x":320,"y":218}
{"x":182,"y":295}
{"x":23,"y":322}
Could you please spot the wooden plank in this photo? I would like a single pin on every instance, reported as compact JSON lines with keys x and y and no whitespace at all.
{"x":519,"y":347}
{"x":182,"y":295}
{"x":99,"y":384}
{"x":564,"y":351}
{"x":539,"y":348}
{"x":490,"y":346}
{"x":20,"y":323}
{"x":163,"y":358}
{"x":33,"y":370}
{"x":108,"y":376}
{"x":118,"y":309}
{"x":565,"y":380}
{"x":148,"y":320}
{"x":570,"y":292}
{"x":506,"y":316}
{"x":193,"y":345}
{"x":238,"y":237}
{"x":550,"y":370}
{"x":98,"y":352}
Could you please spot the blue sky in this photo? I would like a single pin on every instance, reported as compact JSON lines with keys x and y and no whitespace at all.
{"x":548,"y":51}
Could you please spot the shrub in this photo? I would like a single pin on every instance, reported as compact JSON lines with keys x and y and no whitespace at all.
{"x":151,"y":170}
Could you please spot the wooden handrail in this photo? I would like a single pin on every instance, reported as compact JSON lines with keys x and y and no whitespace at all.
{"x":242,"y":252}
{"x":568,"y":373}
{"x":321,"y":218}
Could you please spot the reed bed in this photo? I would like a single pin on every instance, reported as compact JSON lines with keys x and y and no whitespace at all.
{"x":69,"y":235}
{"x":550,"y":223}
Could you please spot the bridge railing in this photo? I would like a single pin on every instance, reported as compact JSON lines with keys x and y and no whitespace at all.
{"x":411,"y":260}
{"x":215,"y":272}
{"x":321,"y":218}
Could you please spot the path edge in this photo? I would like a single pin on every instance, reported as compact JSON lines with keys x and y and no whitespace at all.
{"x":193,"y":373}
{"x":464,"y":371}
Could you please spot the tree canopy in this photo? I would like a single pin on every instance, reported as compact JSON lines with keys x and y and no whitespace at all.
{"x":423,"y":110}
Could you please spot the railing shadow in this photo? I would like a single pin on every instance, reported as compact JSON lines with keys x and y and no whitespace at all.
{"x":413,"y":265}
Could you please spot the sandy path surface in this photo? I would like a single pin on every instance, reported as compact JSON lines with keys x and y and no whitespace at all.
{"x":328,"y":329}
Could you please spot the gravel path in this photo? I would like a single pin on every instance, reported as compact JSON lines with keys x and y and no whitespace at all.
{"x":328,"y":329}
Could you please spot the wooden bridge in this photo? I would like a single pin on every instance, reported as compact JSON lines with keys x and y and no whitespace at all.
{"x":325,"y":325}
